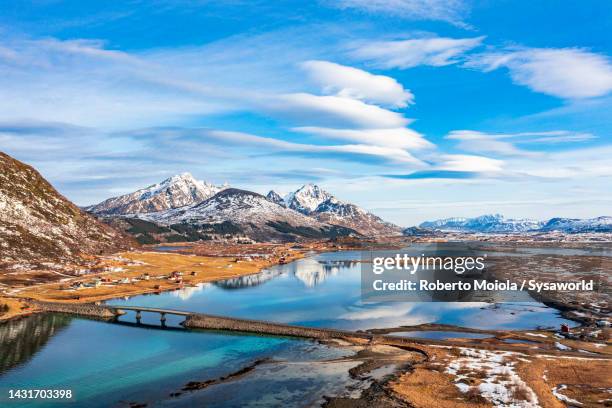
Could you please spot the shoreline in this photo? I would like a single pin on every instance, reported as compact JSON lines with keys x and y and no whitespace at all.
{"x":159,"y":282}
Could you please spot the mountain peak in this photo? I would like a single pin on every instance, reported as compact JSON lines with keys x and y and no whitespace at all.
{"x":306,"y":198}
{"x":186,"y":176}
{"x":177,"y":191}
{"x":275,"y":198}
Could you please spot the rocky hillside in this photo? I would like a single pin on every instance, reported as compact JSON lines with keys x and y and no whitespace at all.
{"x":38,"y":224}
{"x":174,"y":192}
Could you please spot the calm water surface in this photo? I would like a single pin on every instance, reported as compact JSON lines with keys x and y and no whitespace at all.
{"x":325,"y":291}
{"x":109,"y":364}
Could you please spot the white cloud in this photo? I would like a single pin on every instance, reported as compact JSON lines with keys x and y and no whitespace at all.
{"x":355,"y":83}
{"x":436,"y":51}
{"x":570,"y":73}
{"x":452,"y":11}
{"x":400,"y":137}
{"x":389,"y":153}
{"x":473,"y":141}
{"x":505,"y":143}
{"x":468,"y":163}
{"x":334,"y":111}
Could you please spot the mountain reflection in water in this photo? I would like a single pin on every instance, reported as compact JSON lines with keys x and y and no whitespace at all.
{"x":310,"y":271}
{"x":21,"y":339}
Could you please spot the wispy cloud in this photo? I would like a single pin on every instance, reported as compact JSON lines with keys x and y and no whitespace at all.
{"x":469,"y":163}
{"x":452,"y":11}
{"x":455,"y":166}
{"x":358,"y":84}
{"x":434,"y":51}
{"x":570,"y":73}
{"x":399,"y":137}
{"x":333,"y":111}
{"x":505,"y":143}
{"x":389,"y":153}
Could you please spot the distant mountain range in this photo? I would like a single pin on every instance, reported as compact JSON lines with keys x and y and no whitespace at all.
{"x":499,"y":224}
{"x":37,"y":224}
{"x":183,"y":208}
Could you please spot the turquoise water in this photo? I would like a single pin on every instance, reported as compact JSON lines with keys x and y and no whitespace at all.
{"x":107,"y":364}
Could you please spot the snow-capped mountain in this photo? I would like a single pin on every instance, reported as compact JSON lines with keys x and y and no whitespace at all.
{"x":306,"y":198}
{"x":334,"y":211}
{"x":276,"y":198}
{"x":486,"y":223}
{"x":37,"y":224}
{"x":177,"y":191}
{"x":246,"y":213}
{"x":312,"y":200}
{"x":575,"y":225}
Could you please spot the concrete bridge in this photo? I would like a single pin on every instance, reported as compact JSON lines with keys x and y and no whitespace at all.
{"x":120,"y":310}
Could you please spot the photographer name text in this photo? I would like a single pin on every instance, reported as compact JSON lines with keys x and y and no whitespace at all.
{"x":481,"y":284}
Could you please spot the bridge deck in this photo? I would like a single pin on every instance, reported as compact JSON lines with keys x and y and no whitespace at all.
{"x":148,"y":309}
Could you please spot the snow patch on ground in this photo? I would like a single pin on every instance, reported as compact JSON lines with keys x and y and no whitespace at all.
{"x":562,"y":397}
{"x":500,"y":383}
{"x":562,"y":347}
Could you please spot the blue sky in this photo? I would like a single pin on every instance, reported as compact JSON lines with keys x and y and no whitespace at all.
{"x":414,"y":109}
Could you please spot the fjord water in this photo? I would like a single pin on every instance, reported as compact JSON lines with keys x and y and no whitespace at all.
{"x":325,"y":291}
{"x":108,"y":364}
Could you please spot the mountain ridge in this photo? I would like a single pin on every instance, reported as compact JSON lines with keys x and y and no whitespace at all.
{"x":183,"y":194}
